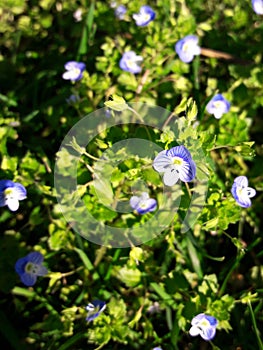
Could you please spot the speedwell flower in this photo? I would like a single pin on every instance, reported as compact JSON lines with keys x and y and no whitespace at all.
{"x":145,"y":16}
{"x":30,"y":267}
{"x":217,"y":106}
{"x":176,"y":163}
{"x":74,"y":70}
{"x":187,"y":48}
{"x":143,"y":204}
{"x":258,"y":6}
{"x":203,"y":325}
{"x":130,"y":62}
{"x":11,"y":193}
{"x":241,"y":192}
{"x":120,"y":11}
{"x":95,"y":309}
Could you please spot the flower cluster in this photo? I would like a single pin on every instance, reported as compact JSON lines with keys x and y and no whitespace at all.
{"x":203,"y":325}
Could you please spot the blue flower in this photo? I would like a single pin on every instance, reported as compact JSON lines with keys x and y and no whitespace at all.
{"x":130,"y":62}
{"x":30,"y":267}
{"x":258,"y":6}
{"x":176,"y":163}
{"x":143,"y":204}
{"x":187,"y":48}
{"x":120,"y":11}
{"x":241,"y":192}
{"x":74,"y":70}
{"x":217,"y":106}
{"x":73,"y":99}
{"x":11,"y":193}
{"x":158,"y":348}
{"x":145,"y":16}
{"x":203,"y":325}
{"x":95,"y":309}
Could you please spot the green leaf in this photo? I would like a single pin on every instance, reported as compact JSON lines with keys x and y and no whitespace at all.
{"x":117,"y":104}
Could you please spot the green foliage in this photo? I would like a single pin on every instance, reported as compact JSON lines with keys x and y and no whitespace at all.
{"x":208,"y":257}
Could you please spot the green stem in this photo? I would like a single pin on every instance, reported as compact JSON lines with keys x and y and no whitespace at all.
{"x":260,"y":344}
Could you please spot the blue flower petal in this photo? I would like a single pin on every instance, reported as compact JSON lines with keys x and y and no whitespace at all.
{"x":179,"y":151}
{"x":28,"y":279}
{"x":35,"y":257}
{"x":2,"y":200}
{"x":134,"y":201}
{"x":208,"y":333}
{"x":20,"y":265}
{"x":4,"y":184}
{"x":212,"y":320}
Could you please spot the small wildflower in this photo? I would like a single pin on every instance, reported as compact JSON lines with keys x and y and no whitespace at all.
{"x":143,"y":204}
{"x":72,"y":99}
{"x":77,"y":15}
{"x":158,"y":348}
{"x":203,"y":325}
{"x":154,"y":308}
{"x":11,"y":193}
{"x":120,"y":11}
{"x":241,"y":192}
{"x":217,"y":106}
{"x":30,"y":267}
{"x":74,"y":70}
{"x":258,"y":6}
{"x":187,"y":48}
{"x":95,"y":309}
{"x":130,"y":62}
{"x":176,"y":163}
{"x":145,"y":16}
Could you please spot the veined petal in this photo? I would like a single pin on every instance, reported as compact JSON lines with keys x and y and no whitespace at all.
{"x":146,"y":206}
{"x":208,"y":333}
{"x":20,"y":191}
{"x":2,"y":200}
{"x":134,"y":201}
{"x":171,"y":176}
{"x":187,"y":171}
{"x":179,"y":151}
{"x":28,"y":279}
{"x":145,"y":196}
{"x":161,"y":162}
{"x":41,"y":270}
{"x":20,"y":265}
{"x":197,"y":319}
{"x":241,"y":181}
{"x":35,"y":257}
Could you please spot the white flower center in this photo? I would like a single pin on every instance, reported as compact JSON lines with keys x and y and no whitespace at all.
{"x":219,"y":104}
{"x":32,"y":268}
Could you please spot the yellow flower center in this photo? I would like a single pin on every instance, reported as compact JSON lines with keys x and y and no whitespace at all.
{"x":177,"y":161}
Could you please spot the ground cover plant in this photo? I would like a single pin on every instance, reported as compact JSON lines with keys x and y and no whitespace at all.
{"x":131,"y":174}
